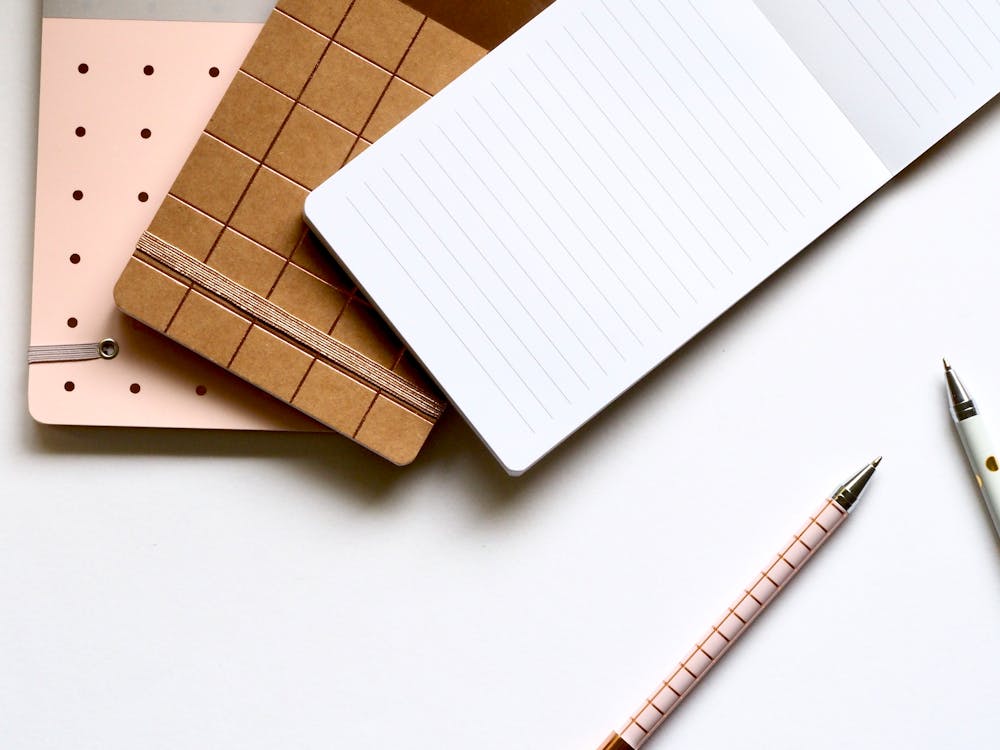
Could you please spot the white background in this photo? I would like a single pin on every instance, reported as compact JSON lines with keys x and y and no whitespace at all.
{"x":211,"y":590}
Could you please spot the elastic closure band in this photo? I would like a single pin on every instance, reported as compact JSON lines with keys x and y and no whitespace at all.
{"x":104,"y":349}
{"x":297,"y":330}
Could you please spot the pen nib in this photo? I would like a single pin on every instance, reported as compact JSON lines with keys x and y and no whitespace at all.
{"x":850,"y":492}
{"x":962,"y":406}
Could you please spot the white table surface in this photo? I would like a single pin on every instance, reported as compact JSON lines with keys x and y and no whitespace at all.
{"x":212,"y":590}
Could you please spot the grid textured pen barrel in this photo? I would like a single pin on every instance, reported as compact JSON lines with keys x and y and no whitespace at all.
{"x":737,"y":618}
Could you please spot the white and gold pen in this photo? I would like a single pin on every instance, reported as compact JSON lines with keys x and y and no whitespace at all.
{"x":978,"y":443}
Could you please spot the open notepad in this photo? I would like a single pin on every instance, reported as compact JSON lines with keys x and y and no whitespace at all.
{"x":620,"y":172}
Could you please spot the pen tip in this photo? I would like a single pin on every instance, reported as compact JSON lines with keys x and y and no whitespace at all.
{"x":850,"y":492}
{"x":947,"y":367}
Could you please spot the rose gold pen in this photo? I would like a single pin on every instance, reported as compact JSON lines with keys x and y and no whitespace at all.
{"x":738,"y":617}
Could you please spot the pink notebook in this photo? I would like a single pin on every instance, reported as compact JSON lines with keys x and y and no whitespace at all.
{"x":125,"y":93}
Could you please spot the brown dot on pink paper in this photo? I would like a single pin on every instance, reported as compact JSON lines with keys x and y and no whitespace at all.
{"x":135,"y":388}
{"x":74,"y":258}
{"x":69,"y":385}
{"x":81,"y":131}
{"x":145,"y":133}
{"x":143,"y":197}
{"x":201,"y":390}
{"x":78,"y":195}
{"x":214,"y":72}
{"x":149,"y":70}
{"x":83,"y":68}
{"x":72,"y":322}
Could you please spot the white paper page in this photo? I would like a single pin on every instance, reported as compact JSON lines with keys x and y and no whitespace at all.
{"x":585,"y":200}
{"x":906,"y":72}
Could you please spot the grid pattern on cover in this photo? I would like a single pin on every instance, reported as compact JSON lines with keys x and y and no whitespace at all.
{"x":228,"y":267}
{"x":730,"y":626}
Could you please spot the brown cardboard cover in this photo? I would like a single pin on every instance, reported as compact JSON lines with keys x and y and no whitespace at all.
{"x":228,"y":268}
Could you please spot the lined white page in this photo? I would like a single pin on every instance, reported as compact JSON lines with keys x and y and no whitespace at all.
{"x":581,"y":203}
{"x":906,"y":72}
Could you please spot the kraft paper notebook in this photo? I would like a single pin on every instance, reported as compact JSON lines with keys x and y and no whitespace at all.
{"x":126,"y":88}
{"x":620,"y":172}
{"x":228,"y":267}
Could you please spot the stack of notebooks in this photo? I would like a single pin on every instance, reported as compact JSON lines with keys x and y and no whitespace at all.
{"x":552,"y":221}
{"x":189,"y":134}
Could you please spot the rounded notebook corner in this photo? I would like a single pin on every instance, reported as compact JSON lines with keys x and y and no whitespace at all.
{"x":308,"y":209}
{"x":401,"y":454}
{"x":515,"y":468}
{"x":117,"y":296}
{"x":38,"y":411}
